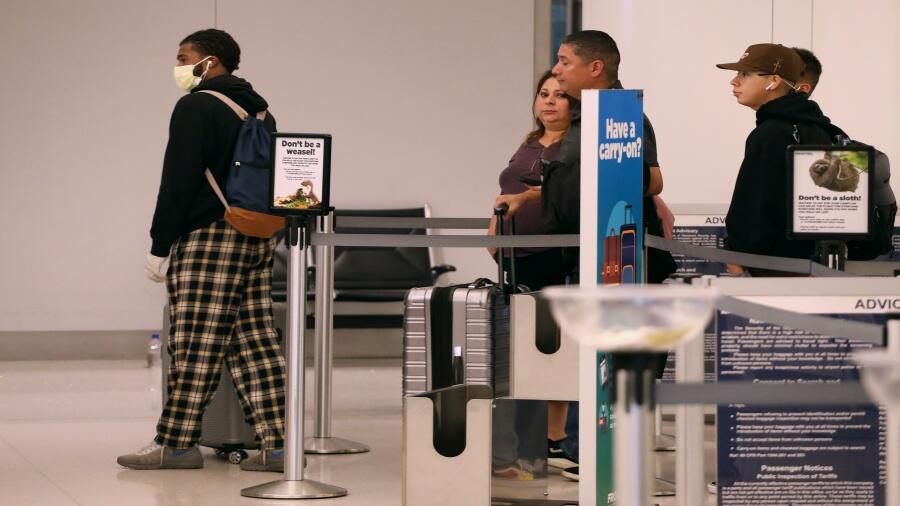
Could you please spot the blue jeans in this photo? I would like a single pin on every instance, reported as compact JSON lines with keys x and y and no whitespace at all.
{"x":570,"y":444}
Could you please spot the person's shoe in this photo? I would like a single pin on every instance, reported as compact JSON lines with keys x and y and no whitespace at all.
{"x":265,"y":461}
{"x":156,"y":456}
{"x":571,"y":473}
{"x":268,"y":461}
{"x":557,"y":456}
{"x":518,"y":470}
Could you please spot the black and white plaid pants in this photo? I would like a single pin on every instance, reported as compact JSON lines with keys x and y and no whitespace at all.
{"x":220,"y":305}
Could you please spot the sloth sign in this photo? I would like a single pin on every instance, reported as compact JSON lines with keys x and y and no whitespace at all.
{"x":831,"y":192}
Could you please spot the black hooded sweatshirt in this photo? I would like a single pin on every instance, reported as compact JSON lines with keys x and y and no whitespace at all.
{"x":202,"y":134}
{"x":757,"y":218}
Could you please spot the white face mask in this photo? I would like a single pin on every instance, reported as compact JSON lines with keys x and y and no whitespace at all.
{"x":185,"y":78}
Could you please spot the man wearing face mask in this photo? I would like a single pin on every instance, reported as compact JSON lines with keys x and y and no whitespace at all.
{"x":218,"y":280}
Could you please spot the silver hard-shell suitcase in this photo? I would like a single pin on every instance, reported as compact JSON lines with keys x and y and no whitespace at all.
{"x":458,"y":334}
{"x":475,"y":351}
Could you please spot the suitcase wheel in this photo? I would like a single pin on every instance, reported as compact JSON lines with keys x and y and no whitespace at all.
{"x":235,"y":457}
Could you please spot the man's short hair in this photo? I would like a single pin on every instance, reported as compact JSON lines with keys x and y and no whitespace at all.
{"x":591,"y":45}
{"x":813,"y":69}
{"x":213,"y":42}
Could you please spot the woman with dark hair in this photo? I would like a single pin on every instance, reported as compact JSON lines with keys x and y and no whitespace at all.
{"x":537,"y":268}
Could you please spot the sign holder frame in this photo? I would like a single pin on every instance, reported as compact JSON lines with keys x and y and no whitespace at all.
{"x":792,"y":234}
{"x":320,"y":209}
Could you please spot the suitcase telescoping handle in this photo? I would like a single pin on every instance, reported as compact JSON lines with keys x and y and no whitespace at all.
{"x":500,"y":212}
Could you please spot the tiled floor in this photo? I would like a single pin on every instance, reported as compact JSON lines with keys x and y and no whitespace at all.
{"x":62,"y":424}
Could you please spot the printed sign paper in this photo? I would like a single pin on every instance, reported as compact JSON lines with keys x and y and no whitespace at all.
{"x":301,"y":173}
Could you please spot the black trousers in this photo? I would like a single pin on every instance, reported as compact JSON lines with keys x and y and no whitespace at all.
{"x":539,"y":270}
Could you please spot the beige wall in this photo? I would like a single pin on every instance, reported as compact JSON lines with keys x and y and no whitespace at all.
{"x":670,"y":49}
{"x":426,"y":101}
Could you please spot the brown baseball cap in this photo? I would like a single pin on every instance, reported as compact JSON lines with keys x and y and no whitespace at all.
{"x":773,"y":59}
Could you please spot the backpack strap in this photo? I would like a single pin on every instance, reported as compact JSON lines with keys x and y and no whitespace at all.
{"x":217,"y":189}
{"x":242,"y":114}
{"x":261,"y":115}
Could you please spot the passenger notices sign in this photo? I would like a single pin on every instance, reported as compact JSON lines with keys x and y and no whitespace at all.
{"x":810,"y":455}
{"x":301,"y":174}
{"x":831,"y":192}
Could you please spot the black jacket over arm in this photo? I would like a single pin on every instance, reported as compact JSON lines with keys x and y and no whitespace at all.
{"x":202,"y":134}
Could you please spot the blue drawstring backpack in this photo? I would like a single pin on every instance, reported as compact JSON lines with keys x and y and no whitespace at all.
{"x":246,"y":197}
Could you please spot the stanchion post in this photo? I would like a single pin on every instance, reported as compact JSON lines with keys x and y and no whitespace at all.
{"x":690,"y":486}
{"x":294,"y":485}
{"x":633,"y":412}
{"x":690,"y":462}
{"x":324,"y":352}
{"x":323,"y":442}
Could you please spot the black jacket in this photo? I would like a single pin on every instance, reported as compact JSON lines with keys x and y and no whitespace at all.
{"x":757,"y":218}
{"x":561,"y":195}
{"x":202,"y":134}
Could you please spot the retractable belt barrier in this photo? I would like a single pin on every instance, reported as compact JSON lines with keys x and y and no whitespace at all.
{"x":746,"y":392}
{"x":680,"y":393}
{"x":781,"y":264}
{"x":825,"y":325}
{"x":411,"y":222}
{"x":444,"y":241}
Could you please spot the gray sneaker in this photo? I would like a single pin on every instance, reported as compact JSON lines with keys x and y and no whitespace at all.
{"x":155,"y":456}
{"x":269,"y":460}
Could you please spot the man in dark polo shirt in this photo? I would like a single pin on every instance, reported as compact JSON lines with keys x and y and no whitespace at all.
{"x":589,"y":60}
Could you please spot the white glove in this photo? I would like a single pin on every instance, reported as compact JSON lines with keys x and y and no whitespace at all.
{"x":154,"y":268}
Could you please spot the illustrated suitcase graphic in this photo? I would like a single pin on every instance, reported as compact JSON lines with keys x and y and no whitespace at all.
{"x":611,"y":265}
{"x":458,"y":334}
{"x":223,"y":427}
{"x":628,"y":243}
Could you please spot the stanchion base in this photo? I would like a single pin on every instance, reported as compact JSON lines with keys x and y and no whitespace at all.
{"x":303,"y":489}
{"x":332,"y":446}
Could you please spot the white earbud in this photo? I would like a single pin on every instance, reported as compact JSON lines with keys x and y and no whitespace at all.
{"x":770,"y":86}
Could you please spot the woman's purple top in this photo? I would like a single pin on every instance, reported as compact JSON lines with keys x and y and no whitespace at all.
{"x":526,"y":162}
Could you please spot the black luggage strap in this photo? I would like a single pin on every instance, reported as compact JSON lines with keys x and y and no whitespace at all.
{"x":441,"y":314}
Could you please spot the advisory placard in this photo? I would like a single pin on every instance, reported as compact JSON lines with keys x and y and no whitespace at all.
{"x":301,"y":175}
{"x":810,"y":455}
{"x":831,"y":192}
{"x":706,"y":230}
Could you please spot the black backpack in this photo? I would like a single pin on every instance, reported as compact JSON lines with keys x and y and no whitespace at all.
{"x":884,"y":209}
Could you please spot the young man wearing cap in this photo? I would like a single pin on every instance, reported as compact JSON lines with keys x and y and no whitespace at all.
{"x":766,"y":81}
